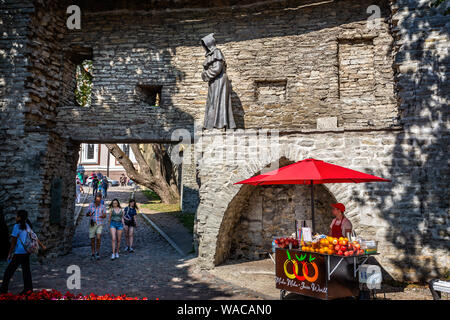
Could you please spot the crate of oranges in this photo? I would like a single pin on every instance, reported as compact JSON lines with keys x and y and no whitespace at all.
{"x":333,"y":246}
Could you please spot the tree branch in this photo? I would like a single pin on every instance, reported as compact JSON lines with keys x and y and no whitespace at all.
{"x":152,"y":176}
{"x":140,"y":158}
{"x":127,"y":164}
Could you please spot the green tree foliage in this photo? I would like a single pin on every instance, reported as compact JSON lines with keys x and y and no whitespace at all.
{"x":83,"y":90}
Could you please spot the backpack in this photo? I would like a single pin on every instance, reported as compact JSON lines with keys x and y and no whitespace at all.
{"x":126,"y":216}
{"x":31,"y":244}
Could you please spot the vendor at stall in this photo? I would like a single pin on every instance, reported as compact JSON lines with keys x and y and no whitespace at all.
{"x":340,"y":225}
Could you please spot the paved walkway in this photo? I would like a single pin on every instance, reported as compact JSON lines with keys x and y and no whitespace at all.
{"x":169,"y":224}
{"x":154,"y":270}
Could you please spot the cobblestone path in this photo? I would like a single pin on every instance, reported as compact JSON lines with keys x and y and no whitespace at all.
{"x":154,"y":270}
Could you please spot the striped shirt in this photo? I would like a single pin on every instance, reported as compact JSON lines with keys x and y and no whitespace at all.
{"x":97,"y":212}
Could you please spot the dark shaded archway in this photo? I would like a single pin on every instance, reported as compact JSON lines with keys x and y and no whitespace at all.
{"x":258,"y":213}
{"x":4,"y":236}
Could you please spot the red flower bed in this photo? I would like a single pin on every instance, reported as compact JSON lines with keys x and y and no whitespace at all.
{"x":56,"y":295}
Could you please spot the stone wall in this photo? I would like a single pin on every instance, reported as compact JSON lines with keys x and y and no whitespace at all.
{"x":189,"y":185}
{"x":13,"y":73}
{"x":271,"y":212}
{"x":409,"y":216}
{"x":34,"y":155}
{"x":292,"y":68}
{"x":305,"y":56}
{"x":393,"y":213}
{"x":49,"y":191}
{"x":422,"y":65}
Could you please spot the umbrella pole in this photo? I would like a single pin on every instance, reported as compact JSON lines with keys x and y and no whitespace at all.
{"x":312,"y":208}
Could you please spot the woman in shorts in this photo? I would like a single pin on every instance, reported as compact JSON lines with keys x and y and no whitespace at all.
{"x":130,"y":224}
{"x":115,"y":226}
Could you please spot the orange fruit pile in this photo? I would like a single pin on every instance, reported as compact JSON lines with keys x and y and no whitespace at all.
{"x":325,"y":246}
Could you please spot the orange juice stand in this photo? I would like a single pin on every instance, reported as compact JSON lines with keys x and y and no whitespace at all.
{"x":317,"y":275}
{"x":334,"y":276}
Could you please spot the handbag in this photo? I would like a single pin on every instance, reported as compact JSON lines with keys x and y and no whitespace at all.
{"x":92,"y":222}
{"x":128,"y":220}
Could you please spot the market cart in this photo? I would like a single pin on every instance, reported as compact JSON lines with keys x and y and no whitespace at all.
{"x":317,"y":275}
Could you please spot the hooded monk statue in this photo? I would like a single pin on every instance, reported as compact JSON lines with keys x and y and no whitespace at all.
{"x":218,"y":112}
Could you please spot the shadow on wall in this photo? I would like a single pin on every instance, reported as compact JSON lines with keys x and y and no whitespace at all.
{"x":4,"y":236}
{"x":191,"y":199}
{"x":415,"y":204}
{"x":238,"y":110}
{"x":241,"y":14}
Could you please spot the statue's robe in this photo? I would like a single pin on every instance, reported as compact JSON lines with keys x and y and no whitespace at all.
{"x":218,"y":112}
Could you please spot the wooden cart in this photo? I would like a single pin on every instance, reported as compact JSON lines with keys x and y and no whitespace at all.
{"x":317,"y":275}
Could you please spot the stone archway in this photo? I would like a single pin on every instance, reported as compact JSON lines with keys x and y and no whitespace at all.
{"x":255,"y":215}
{"x":271,"y":211}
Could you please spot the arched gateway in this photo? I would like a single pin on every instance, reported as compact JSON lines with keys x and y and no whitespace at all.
{"x":311,"y":70}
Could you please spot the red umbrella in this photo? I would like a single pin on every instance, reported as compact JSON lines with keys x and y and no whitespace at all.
{"x":311,"y":171}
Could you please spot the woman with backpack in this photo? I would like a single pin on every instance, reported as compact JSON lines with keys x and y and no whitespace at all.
{"x":129,"y":218}
{"x":24,"y":242}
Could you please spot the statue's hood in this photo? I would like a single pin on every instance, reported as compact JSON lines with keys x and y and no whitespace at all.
{"x":209,"y":43}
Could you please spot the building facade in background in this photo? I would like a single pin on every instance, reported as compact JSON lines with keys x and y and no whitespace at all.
{"x":96,"y":157}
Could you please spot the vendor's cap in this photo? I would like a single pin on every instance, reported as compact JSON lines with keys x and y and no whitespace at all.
{"x":339,"y":206}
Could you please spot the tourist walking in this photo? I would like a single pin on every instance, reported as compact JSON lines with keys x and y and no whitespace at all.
{"x":100,"y":187}
{"x":94,"y":185}
{"x":115,"y":226}
{"x":18,"y":254}
{"x":130,"y":223}
{"x":99,"y":194}
{"x":105,"y":187}
{"x":123,"y":180}
{"x":97,"y":214}
{"x":80,"y":177}
{"x":79,"y":191}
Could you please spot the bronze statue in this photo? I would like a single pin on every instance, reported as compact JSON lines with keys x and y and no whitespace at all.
{"x":218,"y":112}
